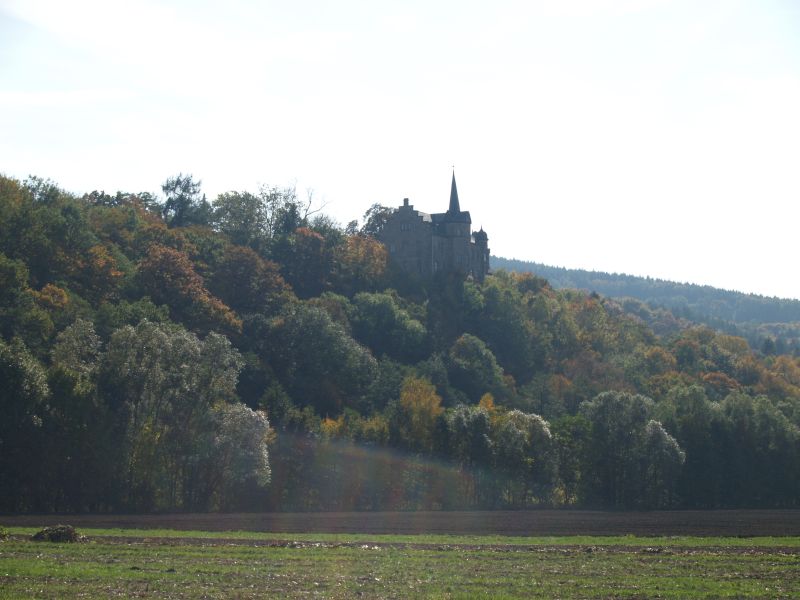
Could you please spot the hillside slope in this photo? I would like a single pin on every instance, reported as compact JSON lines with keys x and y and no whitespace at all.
{"x":770,"y":324}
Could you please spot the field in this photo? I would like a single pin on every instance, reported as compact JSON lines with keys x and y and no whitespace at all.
{"x":737,"y":554}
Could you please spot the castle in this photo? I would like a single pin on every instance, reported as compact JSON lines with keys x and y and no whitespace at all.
{"x":424,"y":244}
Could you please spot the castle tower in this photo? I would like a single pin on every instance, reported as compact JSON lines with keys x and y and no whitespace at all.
{"x":425,"y":244}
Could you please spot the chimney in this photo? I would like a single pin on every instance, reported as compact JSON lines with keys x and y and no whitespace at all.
{"x":405,"y":201}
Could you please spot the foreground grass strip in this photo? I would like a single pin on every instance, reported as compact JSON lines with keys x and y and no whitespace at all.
{"x":459,"y":540}
{"x":130,"y":563}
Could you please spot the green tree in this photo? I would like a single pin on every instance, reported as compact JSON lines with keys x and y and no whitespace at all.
{"x":244,"y":218}
{"x":19,"y":313}
{"x":525,"y":456}
{"x":23,"y":396}
{"x":316,"y":360}
{"x":623,"y":450}
{"x":380,"y":323}
{"x":305,"y":261}
{"x":184,"y":204}
{"x":701,"y":430}
{"x":163,"y":382}
{"x":473,"y":369}
{"x":78,"y":429}
{"x":374,"y":219}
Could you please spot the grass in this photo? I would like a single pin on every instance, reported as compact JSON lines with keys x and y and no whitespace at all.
{"x":482,"y":540}
{"x":193,"y":564}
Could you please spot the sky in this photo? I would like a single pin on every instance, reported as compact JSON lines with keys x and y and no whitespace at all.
{"x":650,"y":137}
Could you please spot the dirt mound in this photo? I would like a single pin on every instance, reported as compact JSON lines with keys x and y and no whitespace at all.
{"x":57,"y":533}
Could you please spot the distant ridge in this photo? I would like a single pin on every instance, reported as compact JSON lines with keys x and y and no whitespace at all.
{"x":758,"y":318}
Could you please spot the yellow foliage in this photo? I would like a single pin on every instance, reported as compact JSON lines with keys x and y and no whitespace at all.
{"x":788,"y":368}
{"x":331,"y":428}
{"x":423,"y":405}
{"x":487,"y":402}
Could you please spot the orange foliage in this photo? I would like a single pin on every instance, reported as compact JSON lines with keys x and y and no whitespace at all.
{"x":51,"y":297}
{"x":718,"y":385}
{"x":168,"y":276}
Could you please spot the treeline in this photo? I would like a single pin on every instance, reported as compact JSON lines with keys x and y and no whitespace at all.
{"x":248,"y":353}
{"x":770,"y":325}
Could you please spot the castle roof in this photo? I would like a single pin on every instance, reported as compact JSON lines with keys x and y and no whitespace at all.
{"x":461,"y":216}
{"x":454,"y":206}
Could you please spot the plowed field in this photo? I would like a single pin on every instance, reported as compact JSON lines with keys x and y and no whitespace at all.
{"x":510,"y":523}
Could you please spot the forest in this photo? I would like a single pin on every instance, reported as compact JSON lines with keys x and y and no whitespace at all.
{"x":248,"y":353}
{"x":770,"y":325}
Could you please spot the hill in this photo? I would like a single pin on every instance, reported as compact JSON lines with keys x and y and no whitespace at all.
{"x":171,"y":353}
{"x":770,"y":324}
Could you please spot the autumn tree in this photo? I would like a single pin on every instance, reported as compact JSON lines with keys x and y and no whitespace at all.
{"x":360,"y":264}
{"x":249,"y":283}
{"x":168,"y":277}
{"x":418,"y":411}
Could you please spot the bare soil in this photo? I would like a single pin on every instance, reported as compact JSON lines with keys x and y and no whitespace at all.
{"x":743,"y":523}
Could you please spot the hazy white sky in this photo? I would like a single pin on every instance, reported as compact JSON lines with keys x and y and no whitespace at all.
{"x":652,"y":137}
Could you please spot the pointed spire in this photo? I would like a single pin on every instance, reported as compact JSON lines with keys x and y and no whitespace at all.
{"x":454,"y":207}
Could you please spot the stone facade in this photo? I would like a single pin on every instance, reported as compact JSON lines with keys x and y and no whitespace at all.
{"x":424,"y":244}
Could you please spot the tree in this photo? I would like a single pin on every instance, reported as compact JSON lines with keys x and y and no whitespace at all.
{"x":317,"y":362}
{"x":169,"y":277}
{"x":469,"y":429}
{"x":622,"y":449}
{"x":699,"y":427}
{"x":163,"y":382}
{"x":248,"y":283}
{"x":361,"y":264}
{"x":77,"y":348}
{"x":524,"y":455}
{"x":244,"y":218}
{"x":19,"y":313}
{"x":374,"y":219}
{"x":240,"y":457}
{"x":761,"y":452}
{"x":23,"y":393}
{"x":498,"y":317}
{"x":664,"y":459}
{"x":473,"y":368}
{"x":419,"y":408}
{"x":78,"y":431}
{"x":184,"y":204}
{"x":380,"y":323}
{"x":305,"y":261}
